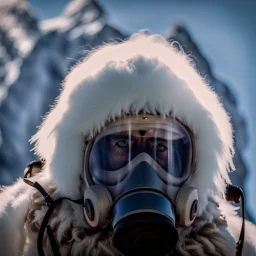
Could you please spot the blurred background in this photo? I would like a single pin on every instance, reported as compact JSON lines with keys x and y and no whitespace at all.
{"x":40,"y":40}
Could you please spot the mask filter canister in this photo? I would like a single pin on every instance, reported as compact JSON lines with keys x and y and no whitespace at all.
{"x":144,"y":224}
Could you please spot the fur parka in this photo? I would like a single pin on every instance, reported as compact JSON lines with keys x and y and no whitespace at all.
{"x":144,"y":73}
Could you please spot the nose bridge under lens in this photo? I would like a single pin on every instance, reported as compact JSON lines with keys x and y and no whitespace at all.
{"x":142,"y":144}
{"x":143,"y":175}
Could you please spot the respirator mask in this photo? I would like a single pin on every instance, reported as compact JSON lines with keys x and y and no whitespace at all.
{"x":136,"y":173}
{"x":136,"y":170}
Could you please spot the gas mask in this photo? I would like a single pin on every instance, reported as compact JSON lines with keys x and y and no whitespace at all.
{"x":136,"y":170}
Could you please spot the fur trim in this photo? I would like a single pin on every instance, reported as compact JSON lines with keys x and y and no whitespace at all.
{"x":13,"y":209}
{"x":143,"y":73}
{"x":14,"y":201}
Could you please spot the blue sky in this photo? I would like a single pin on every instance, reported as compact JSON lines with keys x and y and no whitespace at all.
{"x":225,"y":32}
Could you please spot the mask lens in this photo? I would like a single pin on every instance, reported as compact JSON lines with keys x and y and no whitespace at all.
{"x":126,"y":143}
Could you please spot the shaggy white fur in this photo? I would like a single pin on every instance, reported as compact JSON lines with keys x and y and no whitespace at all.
{"x":145,"y":74}
{"x":208,"y":235}
{"x":13,"y":200}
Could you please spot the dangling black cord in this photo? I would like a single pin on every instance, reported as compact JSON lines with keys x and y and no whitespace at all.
{"x":240,"y":242}
{"x":53,"y":243}
{"x":52,"y":205}
{"x":235,"y":194}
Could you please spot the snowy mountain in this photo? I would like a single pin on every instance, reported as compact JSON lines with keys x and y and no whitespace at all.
{"x":18,"y":34}
{"x":62,"y":42}
{"x":35,"y":57}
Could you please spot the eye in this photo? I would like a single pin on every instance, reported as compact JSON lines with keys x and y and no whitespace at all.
{"x":160,"y":147}
{"x":123,"y":144}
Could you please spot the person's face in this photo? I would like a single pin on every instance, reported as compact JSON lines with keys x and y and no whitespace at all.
{"x":123,"y":147}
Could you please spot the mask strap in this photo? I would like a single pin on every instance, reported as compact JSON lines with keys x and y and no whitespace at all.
{"x":240,"y":242}
{"x":234,"y":194}
{"x":52,"y":204}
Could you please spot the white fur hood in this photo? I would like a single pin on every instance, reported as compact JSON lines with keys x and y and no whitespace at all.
{"x":144,"y":73}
